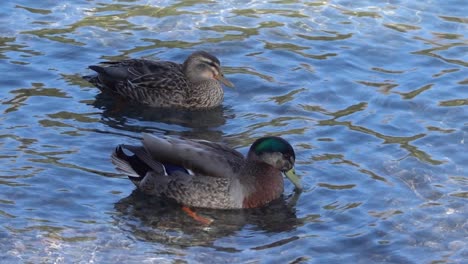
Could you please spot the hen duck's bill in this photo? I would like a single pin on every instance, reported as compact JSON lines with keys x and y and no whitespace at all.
{"x":225,"y":81}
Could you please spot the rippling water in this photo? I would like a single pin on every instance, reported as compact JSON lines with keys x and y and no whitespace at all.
{"x":372,"y":94}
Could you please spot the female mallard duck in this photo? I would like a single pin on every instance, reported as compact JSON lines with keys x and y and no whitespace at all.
{"x":205,"y":174}
{"x":193,"y":84}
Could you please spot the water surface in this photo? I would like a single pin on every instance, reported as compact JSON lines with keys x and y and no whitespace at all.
{"x":372,"y":95}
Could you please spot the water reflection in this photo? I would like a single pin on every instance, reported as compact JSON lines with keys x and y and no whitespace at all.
{"x":203,"y":124}
{"x":154,"y":219}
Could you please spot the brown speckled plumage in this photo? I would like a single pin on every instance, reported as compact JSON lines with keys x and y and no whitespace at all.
{"x":206,"y":174}
{"x":191,"y":85}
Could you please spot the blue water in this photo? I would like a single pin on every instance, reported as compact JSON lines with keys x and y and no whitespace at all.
{"x":373,"y":96}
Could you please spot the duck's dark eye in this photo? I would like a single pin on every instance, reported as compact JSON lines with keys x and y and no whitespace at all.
{"x":202,"y":66}
{"x":288,"y":157}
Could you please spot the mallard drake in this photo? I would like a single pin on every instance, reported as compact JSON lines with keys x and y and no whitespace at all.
{"x":193,"y":84}
{"x":199,"y":173}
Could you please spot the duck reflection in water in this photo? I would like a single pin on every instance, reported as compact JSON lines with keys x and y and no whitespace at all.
{"x":203,"y":124}
{"x":153,"y":219}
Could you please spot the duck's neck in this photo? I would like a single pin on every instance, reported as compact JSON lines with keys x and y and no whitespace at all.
{"x":264,"y":188}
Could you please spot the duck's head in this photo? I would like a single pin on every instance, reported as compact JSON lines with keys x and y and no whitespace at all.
{"x":202,"y":66}
{"x":278,"y":153}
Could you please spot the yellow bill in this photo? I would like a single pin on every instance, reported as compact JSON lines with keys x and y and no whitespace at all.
{"x":292,"y":176}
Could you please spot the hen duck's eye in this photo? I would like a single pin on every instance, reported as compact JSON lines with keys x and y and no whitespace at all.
{"x":202,"y":66}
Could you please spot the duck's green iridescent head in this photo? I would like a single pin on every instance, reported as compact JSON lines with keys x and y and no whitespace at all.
{"x":278,"y":153}
{"x":273,"y":144}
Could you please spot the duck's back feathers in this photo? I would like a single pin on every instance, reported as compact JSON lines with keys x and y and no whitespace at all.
{"x":135,"y":68}
{"x":208,"y":158}
{"x":145,"y":81}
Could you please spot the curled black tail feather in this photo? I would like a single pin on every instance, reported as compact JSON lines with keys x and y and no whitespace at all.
{"x":132,"y":161}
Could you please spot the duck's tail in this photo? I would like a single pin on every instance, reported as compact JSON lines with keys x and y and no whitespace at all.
{"x":96,"y":81}
{"x":135,"y":166}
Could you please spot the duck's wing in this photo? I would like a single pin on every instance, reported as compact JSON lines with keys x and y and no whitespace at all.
{"x":202,"y":157}
{"x":138,"y":78}
{"x":154,"y":177}
{"x":134,"y":68}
